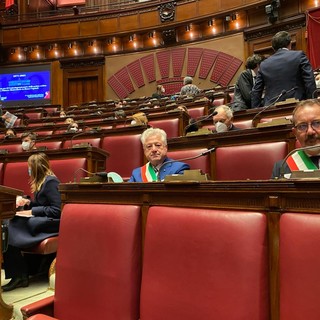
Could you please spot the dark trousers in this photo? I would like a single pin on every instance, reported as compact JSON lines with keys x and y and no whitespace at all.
{"x":14,"y":263}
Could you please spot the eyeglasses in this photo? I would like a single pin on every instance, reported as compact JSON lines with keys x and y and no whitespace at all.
{"x":303,"y":127}
{"x":151,"y":145}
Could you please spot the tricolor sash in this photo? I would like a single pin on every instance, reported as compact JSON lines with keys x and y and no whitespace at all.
{"x":147,"y":173}
{"x":300,"y":161}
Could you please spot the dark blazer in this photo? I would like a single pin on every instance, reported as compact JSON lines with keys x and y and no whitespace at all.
{"x":25,"y":232}
{"x":284,"y":70}
{"x":170,"y":168}
{"x":277,"y":168}
{"x":242,"y":91}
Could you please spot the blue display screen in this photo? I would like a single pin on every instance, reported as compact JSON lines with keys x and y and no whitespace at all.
{"x":25,"y":86}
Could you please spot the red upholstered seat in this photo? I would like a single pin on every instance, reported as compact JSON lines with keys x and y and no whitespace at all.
{"x":95,"y":142}
{"x":98,"y":265}
{"x":14,"y":147}
{"x":16,"y":176}
{"x":202,"y":163}
{"x":251,"y":161}
{"x":69,"y":170}
{"x":204,"y":264}
{"x":170,"y":126}
{"x":47,"y":246}
{"x":49,"y":144}
{"x":244,"y":124}
{"x":125,"y":153}
{"x":196,"y":112}
{"x":299,"y":266}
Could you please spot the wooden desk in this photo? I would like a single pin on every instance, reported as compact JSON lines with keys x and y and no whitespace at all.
{"x":7,"y":211}
{"x":272,"y":197}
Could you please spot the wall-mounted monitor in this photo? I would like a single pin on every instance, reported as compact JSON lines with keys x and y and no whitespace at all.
{"x":25,"y":85}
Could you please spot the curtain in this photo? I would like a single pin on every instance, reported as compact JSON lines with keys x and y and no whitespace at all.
{"x":313,"y":31}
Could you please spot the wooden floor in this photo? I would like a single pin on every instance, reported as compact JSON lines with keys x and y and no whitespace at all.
{"x":39,"y":288}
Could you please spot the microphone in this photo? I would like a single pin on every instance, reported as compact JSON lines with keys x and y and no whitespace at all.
{"x":84,"y":144}
{"x":183,"y":159}
{"x":276,"y":99}
{"x":291,"y":153}
{"x":212,"y":114}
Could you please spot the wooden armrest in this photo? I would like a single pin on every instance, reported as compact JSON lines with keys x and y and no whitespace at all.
{"x":44,"y":306}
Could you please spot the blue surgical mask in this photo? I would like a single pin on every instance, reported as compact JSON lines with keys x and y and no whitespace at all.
{"x":29,"y":172}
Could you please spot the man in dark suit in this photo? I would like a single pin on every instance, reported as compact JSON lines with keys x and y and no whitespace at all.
{"x":284,"y":70}
{"x":306,"y":120}
{"x":245,"y":83}
{"x":154,"y":142}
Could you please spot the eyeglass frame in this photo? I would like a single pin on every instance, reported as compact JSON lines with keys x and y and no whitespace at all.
{"x":307,"y":126}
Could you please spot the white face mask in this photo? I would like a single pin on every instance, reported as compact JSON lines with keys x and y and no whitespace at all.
{"x":25,"y":145}
{"x":73,"y":129}
{"x":221,"y":127}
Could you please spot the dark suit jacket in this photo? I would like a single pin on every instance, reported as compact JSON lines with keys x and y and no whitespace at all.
{"x":170,"y":168}
{"x":46,"y":209}
{"x":277,"y":168}
{"x":284,"y":70}
{"x":242,"y":91}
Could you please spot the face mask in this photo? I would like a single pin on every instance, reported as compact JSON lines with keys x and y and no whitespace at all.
{"x":73,"y":129}
{"x":25,"y":145}
{"x":133,"y":122}
{"x":29,"y":172}
{"x":221,"y":127}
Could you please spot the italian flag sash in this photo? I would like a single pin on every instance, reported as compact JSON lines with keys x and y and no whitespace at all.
{"x":300,"y":161}
{"x":147,"y":173}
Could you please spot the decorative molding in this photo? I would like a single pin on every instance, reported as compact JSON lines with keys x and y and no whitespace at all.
{"x":82,"y":62}
{"x":167,"y":11}
{"x":269,"y":30}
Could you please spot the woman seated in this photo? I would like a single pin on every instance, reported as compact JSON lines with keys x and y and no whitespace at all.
{"x":39,"y":219}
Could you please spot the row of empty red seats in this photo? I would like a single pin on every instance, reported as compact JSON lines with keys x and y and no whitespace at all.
{"x":197,"y":264}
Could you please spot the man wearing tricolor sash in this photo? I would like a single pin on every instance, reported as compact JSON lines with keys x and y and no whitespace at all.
{"x":306,"y":121}
{"x":154,"y":142}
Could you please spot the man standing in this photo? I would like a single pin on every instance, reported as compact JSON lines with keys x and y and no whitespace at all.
{"x":245,"y":83}
{"x":286,"y":70}
{"x":154,"y":142}
{"x":306,"y":121}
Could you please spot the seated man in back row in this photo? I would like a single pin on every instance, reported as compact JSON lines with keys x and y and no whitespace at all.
{"x":306,"y":128}
{"x":223,"y":120}
{"x":154,"y":142}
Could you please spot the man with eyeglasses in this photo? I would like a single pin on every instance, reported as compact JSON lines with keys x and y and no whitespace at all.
{"x":306,"y":121}
{"x":154,"y":142}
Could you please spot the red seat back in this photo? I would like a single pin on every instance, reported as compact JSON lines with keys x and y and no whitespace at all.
{"x":170,"y":126}
{"x":99,"y":253}
{"x":69,"y":170}
{"x":16,"y":176}
{"x":12,"y":148}
{"x":196,"y":112}
{"x":299,"y":266}
{"x":204,"y":264}
{"x":202,"y":163}
{"x":49,"y":144}
{"x":95,"y":142}
{"x":252,"y":161}
{"x":126,"y":153}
